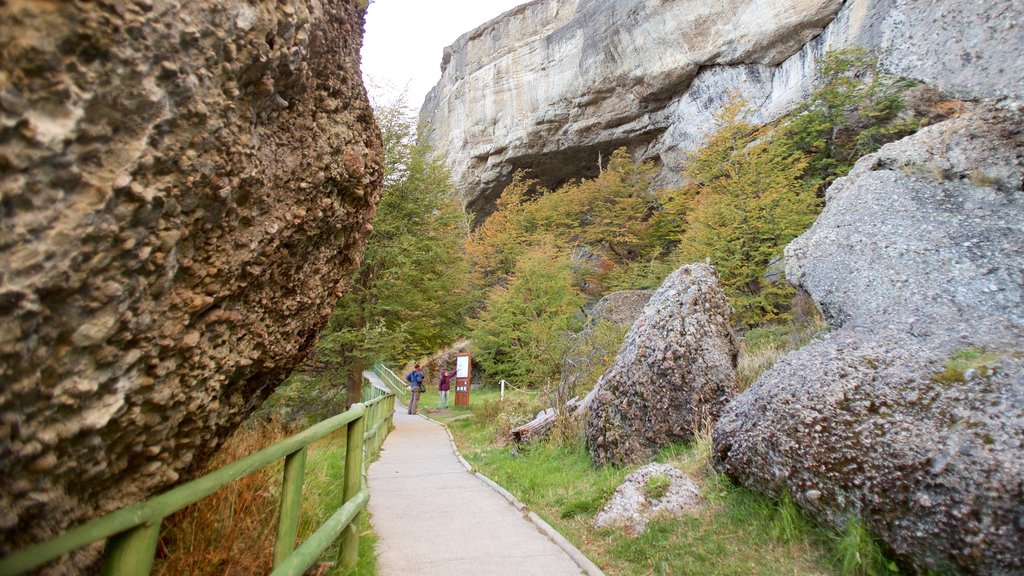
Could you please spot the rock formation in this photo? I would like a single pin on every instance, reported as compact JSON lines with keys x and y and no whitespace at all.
{"x":632,"y":507}
{"x":549,"y":86}
{"x":185,"y":186}
{"x":911,"y":414}
{"x":674,"y":373}
{"x":622,"y":307}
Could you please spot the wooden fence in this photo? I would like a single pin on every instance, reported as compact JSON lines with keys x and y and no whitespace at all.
{"x":132,"y":532}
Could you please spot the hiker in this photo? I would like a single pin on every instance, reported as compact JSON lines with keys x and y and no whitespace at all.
{"x":443,"y":385}
{"x":415,"y":379}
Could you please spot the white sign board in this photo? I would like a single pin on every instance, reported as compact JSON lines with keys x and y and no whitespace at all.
{"x":462,"y":367}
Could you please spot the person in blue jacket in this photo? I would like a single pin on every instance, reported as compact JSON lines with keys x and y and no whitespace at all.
{"x":415,"y":379}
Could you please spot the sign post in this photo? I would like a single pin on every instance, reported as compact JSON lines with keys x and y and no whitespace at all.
{"x":463,"y":368}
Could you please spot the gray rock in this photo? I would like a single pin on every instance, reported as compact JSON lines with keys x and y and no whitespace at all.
{"x":632,"y":508}
{"x":917,"y":259}
{"x":171,"y":241}
{"x":552,"y":84}
{"x":622,"y":307}
{"x":673,"y":374}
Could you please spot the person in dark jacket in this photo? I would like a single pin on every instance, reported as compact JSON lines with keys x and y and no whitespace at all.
{"x":415,"y":378}
{"x":444,"y":384}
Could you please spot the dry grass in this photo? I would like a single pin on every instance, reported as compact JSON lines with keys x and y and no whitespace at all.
{"x":761,"y":348}
{"x":232,"y":531}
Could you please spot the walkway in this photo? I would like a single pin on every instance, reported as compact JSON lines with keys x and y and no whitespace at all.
{"x":435,"y":518}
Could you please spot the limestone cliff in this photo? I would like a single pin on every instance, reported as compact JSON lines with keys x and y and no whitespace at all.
{"x":550,"y":85}
{"x":184,"y":187}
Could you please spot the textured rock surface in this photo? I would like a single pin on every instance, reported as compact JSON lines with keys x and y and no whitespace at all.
{"x":550,"y":85}
{"x":918,"y":258}
{"x":622,"y":307}
{"x":184,"y":187}
{"x":631,"y":507}
{"x":675,"y":371}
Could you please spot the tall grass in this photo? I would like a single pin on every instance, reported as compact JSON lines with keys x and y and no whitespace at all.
{"x":761,"y":348}
{"x":232,"y":531}
{"x":857,"y":553}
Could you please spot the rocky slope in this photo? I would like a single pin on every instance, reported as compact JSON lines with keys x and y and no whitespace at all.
{"x":184,"y":186}
{"x":549,"y":86}
{"x":910,"y":415}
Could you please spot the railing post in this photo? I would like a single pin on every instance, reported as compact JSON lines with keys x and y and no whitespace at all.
{"x":291,"y":503}
{"x":353,"y":481}
{"x":131,"y":553}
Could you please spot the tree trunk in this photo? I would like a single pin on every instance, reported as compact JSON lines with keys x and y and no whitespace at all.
{"x":354,"y":383}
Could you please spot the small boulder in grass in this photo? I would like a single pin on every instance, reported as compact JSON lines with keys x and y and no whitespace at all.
{"x":644,"y":495}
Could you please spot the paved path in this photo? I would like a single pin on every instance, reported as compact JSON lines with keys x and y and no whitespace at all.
{"x":435,"y":518}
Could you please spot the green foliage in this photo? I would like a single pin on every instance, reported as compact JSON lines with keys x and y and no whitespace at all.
{"x":856,"y":552}
{"x":748,"y":202}
{"x":854,"y":111}
{"x":607,"y":215}
{"x":410,"y":294}
{"x":963,"y":360}
{"x":657,"y":486}
{"x":303,"y":400}
{"x":520,"y":335}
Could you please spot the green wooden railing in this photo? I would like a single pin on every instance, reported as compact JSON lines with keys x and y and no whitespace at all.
{"x":396,"y":384}
{"x":132,"y":532}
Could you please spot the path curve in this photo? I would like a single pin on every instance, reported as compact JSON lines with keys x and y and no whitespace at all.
{"x":435,"y":518}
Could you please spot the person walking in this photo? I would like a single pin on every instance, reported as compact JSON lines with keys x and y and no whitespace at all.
{"x":444,"y":384}
{"x":415,"y":379}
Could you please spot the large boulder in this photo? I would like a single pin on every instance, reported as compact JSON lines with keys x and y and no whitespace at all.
{"x":553,"y":85}
{"x":185,"y":187}
{"x":622,"y":307}
{"x":910,"y":415}
{"x":674,"y":373}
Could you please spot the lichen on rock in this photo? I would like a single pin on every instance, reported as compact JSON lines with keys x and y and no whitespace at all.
{"x":185,"y":187}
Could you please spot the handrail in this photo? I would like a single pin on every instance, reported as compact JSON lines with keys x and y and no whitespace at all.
{"x":132,"y":532}
{"x":385,"y":374}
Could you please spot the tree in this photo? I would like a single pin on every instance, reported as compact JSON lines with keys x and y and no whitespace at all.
{"x":521,"y":333}
{"x":746,"y":201}
{"x":854,"y":110}
{"x":410,"y":294}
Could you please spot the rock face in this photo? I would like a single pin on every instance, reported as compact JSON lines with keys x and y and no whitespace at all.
{"x":632,"y":508}
{"x":675,"y":371}
{"x":549,"y":86}
{"x":911,"y":414}
{"x":184,"y":188}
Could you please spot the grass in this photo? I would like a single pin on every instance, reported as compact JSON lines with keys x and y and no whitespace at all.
{"x":232,"y":532}
{"x":955,"y":369}
{"x":761,"y":348}
{"x":738,"y":532}
{"x":657,"y":486}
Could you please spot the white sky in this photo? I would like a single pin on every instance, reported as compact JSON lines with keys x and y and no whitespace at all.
{"x":405,"y":40}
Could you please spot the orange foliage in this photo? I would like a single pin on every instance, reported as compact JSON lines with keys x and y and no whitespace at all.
{"x":231,"y":532}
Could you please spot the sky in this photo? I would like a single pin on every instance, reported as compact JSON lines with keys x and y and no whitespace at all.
{"x":405,"y":39}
